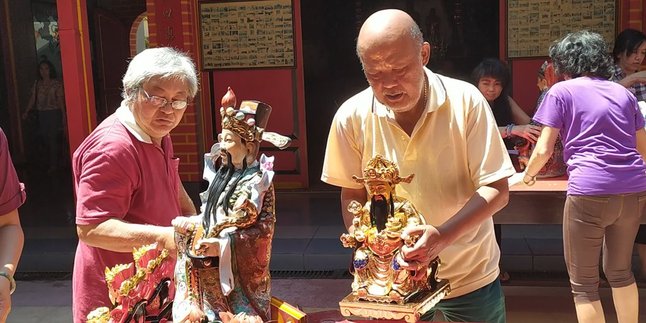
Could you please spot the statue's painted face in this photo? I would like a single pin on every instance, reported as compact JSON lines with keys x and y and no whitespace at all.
{"x":233,"y":144}
{"x":376,"y":187}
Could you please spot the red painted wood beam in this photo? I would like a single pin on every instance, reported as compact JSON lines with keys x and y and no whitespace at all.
{"x":77,"y":70}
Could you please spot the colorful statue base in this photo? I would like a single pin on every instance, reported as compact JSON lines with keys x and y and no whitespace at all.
{"x":410,"y":311}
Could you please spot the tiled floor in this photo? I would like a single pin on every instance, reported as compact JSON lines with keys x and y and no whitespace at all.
{"x":50,"y":301}
{"x":306,"y":244}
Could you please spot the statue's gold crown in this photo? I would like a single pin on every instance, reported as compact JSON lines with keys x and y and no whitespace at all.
{"x":381,"y":169}
{"x":242,"y":121}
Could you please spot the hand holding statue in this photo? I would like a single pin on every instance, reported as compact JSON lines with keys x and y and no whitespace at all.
{"x":426,"y":245}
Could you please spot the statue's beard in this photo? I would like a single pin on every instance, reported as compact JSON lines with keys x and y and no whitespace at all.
{"x":380,"y":209}
{"x":223,"y":176}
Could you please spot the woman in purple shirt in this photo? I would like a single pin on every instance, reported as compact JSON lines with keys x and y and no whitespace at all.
{"x":604,"y":147}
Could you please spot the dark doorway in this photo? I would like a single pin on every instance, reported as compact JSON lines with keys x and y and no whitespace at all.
{"x":34,"y":35}
{"x":110,"y":23}
{"x":36,"y":106}
{"x":462,"y":33}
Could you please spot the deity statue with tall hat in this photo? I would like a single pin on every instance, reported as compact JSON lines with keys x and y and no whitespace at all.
{"x":223,"y":253}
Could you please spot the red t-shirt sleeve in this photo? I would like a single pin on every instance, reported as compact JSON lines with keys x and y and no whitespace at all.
{"x":12,"y":192}
{"x":106,"y":183}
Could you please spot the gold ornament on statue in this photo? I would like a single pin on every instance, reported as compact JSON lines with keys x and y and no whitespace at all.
{"x":383,"y":170}
{"x":381,"y":288}
{"x":249,"y":121}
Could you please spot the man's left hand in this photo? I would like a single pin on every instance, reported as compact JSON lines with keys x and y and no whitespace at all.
{"x":427,"y":247}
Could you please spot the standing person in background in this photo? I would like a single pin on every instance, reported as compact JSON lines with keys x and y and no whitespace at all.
{"x":491,"y":77}
{"x":47,"y":99}
{"x":12,"y":195}
{"x":442,"y":130}
{"x":555,"y":166}
{"x":605,"y":146}
{"x":629,"y":52}
{"x":545,"y":79}
{"x":126,"y":177}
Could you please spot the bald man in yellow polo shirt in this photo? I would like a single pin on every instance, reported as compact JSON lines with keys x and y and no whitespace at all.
{"x":442,"y":130}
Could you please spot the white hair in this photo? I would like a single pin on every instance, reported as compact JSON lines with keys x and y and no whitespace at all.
{"x":163,"y":63}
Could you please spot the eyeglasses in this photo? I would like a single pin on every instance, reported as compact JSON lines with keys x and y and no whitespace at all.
{"x":160,"y":102}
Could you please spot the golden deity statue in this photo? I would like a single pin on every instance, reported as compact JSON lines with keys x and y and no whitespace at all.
{"x":376,"y":237}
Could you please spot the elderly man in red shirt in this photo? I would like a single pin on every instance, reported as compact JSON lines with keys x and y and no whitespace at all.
{"x":126,"y":177}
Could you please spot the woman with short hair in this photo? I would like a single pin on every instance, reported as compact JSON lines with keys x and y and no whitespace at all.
{"x":604,"y":146}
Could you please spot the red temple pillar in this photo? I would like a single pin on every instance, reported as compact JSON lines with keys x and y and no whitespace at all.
{"x":77,"y":68}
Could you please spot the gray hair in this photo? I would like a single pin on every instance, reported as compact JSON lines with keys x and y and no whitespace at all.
{"x":582,"y":53}
{"x":416,"y":34}
{"x":163,"y":63}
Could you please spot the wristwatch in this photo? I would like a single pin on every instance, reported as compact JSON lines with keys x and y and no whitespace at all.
{"x":12,"y":282}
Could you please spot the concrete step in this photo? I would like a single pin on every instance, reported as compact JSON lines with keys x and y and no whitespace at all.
{"x":304,"y":248}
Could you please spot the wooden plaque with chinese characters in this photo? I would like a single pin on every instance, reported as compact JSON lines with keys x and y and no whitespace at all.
{"x":532,"y":25}
{"x":247,"y":34}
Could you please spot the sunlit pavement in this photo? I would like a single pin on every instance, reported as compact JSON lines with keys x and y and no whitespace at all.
{"x":50,"y":301}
